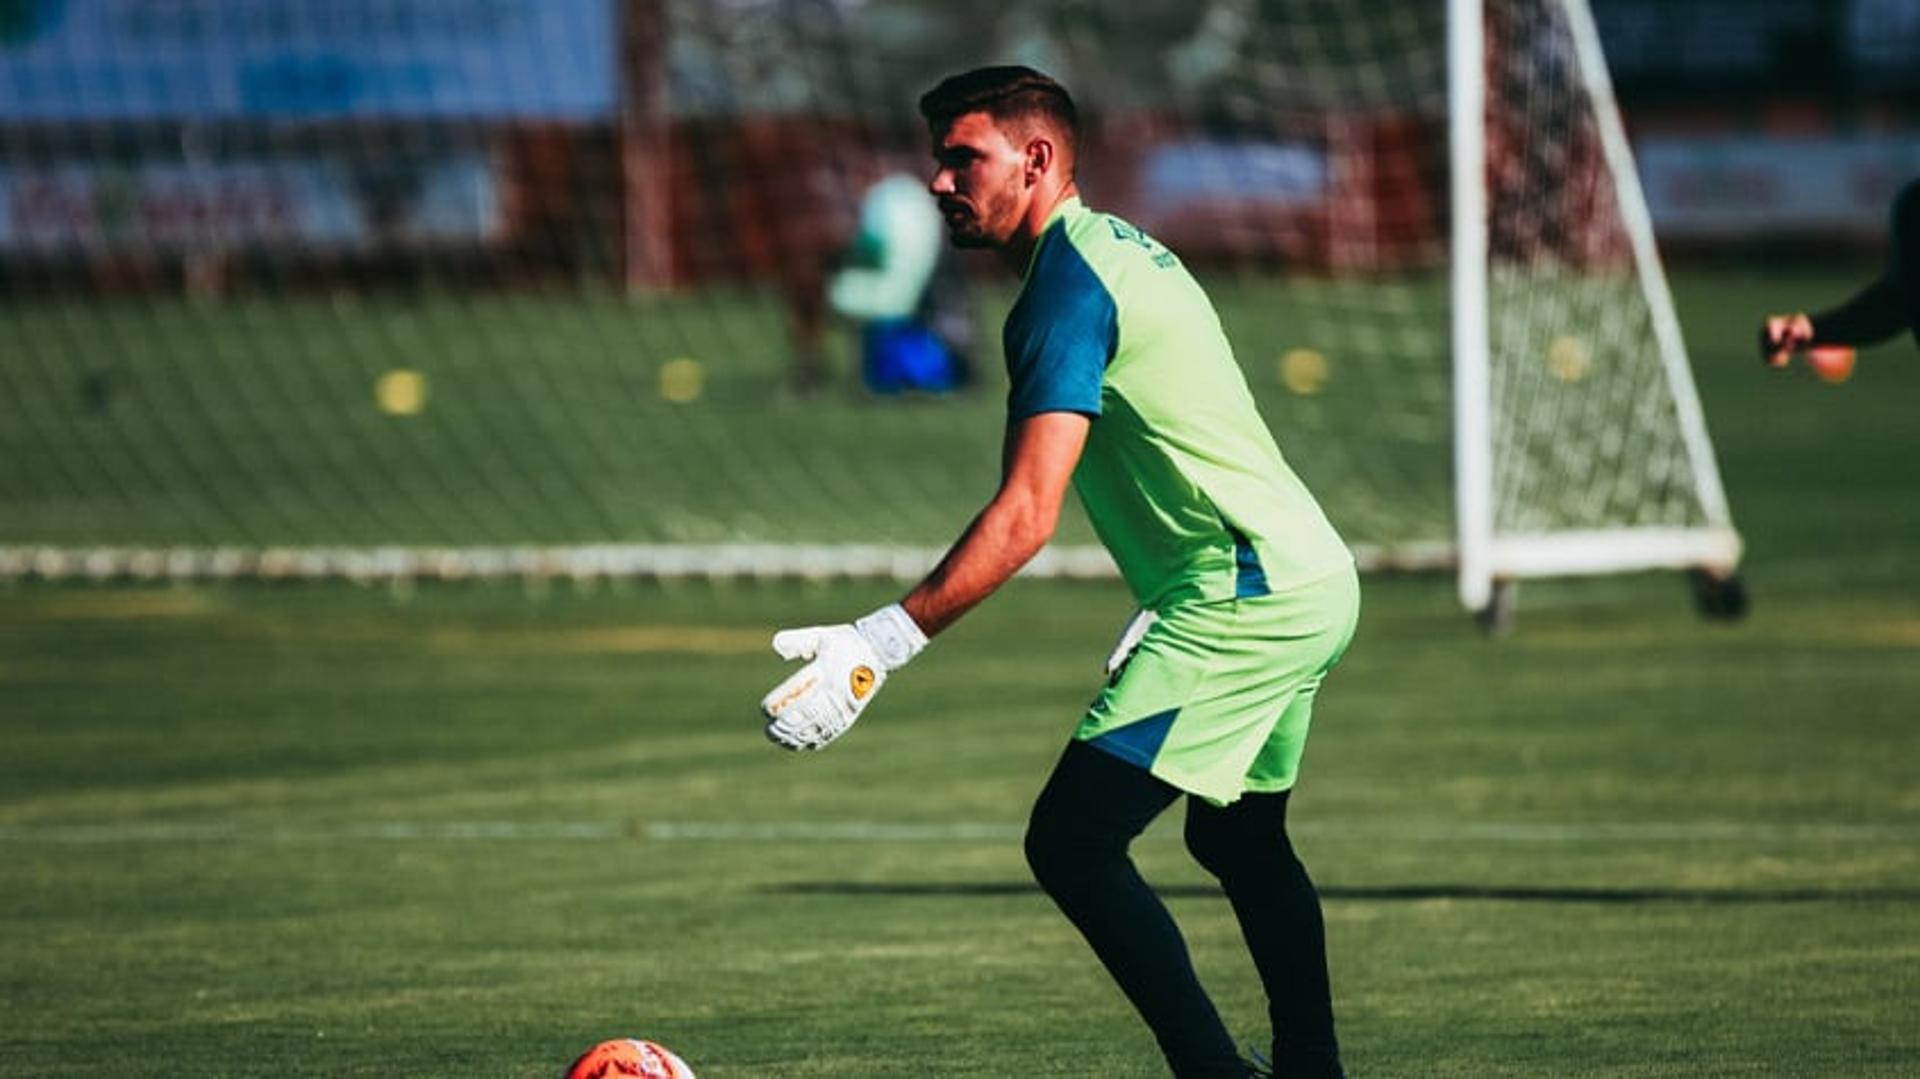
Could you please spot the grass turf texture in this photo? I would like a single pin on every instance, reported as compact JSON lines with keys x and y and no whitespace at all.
{"x":465,"y":831}
{"x":568,"y":419}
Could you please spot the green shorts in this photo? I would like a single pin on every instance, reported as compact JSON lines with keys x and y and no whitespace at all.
{"x":1218,"y":697}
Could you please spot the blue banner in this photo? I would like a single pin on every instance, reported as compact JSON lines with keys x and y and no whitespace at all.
{"x":88,"y":60}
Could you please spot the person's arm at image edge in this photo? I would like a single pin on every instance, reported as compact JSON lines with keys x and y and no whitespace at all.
{"x":1872,"y":315}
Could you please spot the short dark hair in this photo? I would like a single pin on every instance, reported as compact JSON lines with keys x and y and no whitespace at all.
{"x":1008,"y":92}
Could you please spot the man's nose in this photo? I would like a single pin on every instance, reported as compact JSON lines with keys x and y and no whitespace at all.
{"x":942,"y":182}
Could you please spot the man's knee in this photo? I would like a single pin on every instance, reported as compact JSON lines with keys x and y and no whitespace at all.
{"x":1065,"y":854}
{"x":1249,"y":835}
{"x":1217,"y":851}
{"x":1042,"y":845}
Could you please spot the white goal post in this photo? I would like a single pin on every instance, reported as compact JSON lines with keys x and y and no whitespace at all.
{"x":1488,"y":555}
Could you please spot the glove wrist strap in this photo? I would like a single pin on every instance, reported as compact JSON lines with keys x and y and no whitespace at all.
{"x":893,"y":634}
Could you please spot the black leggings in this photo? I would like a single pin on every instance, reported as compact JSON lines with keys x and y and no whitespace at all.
{"x":1089,"y":812}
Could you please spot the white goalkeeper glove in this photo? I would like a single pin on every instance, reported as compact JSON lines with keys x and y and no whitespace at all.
{"x":818,"y":702}
{"x":1136,"y":628}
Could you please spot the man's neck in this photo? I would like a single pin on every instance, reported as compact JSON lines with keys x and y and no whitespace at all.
{"x":1019,"y":250}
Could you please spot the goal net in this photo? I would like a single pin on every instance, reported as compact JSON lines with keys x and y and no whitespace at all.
{"x":393,"y":288}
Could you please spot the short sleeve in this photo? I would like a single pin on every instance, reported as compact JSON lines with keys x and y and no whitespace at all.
{"x":1060,"y":334}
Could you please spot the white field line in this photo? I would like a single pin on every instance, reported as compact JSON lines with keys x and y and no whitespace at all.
{"x":855,"y":831}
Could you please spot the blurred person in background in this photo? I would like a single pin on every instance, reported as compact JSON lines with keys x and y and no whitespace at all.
{"x":1886,"y":306}
{"x":899,"y":282}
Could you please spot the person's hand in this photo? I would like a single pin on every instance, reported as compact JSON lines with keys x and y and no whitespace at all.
{"x":1136,"y":628}
{"x":1783,"y":335}
{"x":847,"y":665}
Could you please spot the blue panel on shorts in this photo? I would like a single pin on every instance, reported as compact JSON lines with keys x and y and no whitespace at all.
{"x":1138,"y":742}
{"x":1251,"y":578}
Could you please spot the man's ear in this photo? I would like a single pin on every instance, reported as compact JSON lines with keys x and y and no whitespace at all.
{"x":1039,"y":159}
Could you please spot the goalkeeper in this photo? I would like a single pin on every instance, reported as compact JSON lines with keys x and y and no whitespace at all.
{"x":1123,"y":384}
{"x":1889,"y":304}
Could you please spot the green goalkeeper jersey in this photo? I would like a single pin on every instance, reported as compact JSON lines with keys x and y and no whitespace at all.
{"x":1181,"y":477}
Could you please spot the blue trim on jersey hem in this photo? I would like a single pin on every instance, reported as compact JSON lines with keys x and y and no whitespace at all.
{"x":1250,"y":578}
{"x":1044,"y":411}
{"x":1138,"y":742}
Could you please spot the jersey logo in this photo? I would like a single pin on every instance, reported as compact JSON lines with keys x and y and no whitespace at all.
{"x":1124,"y":231}
{"x":1162,"y":257}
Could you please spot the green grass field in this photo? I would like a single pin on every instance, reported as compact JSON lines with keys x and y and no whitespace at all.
{"x":587,"y":417}
{"x":468,"y":830}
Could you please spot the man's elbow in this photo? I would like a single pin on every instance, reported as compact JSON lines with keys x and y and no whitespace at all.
{"x":1036,"y":528}
{"x":1028,"y":525}
{"x":1030,"y":538}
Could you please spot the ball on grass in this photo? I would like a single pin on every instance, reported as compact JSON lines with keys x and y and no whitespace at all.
{"x":1304,"y":371}
{"x":629,"y":1058}
{"x":682,"y":380}
{"x":401,"y":392}
{"x":1569,"y":358}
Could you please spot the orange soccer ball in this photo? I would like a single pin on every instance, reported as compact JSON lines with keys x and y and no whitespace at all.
{"x":629,"y":1058}
{"x":1832,"y":363}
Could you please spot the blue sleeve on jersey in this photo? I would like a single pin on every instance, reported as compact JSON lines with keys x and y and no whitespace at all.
{"x":1059,"y":335}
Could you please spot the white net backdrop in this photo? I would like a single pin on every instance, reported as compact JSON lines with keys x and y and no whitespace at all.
{"x":533,"y":286}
